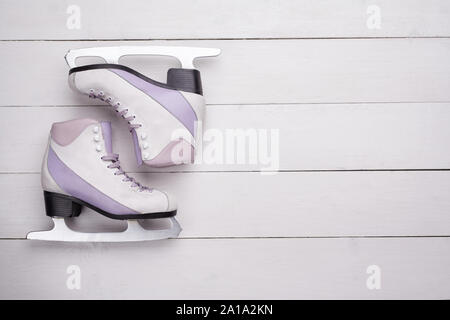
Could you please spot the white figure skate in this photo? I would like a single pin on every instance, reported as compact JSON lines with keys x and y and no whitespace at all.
{"x":163,"y":117}
{"x":80,"y":169}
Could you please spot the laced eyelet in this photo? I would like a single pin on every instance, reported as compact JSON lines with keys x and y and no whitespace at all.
{"x":116,"y":106}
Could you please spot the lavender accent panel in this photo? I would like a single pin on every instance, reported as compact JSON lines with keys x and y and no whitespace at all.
{"x":107,"y":135}
{"x":71,"y":183}
{"x":167,"y":158}
{"x":172,"y":100}
{"x":65,"y":132}
{"x":137,"y":149}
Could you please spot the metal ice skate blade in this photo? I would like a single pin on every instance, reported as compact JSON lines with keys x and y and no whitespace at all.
{"x":185,"y":55}
{"x":134,"y":232}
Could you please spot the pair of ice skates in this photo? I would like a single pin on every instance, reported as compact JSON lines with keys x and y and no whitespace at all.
{"x":80,"y":167}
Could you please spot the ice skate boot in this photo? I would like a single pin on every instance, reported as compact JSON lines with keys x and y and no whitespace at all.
{"x":163,"y":118}
{"x":80,"y":169}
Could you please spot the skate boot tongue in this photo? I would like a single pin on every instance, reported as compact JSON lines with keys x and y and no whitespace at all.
{"x":107,"y":135}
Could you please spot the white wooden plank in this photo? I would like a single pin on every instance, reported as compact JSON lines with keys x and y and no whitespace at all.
{"x":414,"y":268}
{"x":310,"y":137}
{"x":307,"y":204}
{"x":173,"y":19}
{"x":250,"y":72}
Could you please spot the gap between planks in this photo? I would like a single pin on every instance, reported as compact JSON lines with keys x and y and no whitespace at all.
{"x":268,"y":171}
{"x":224,"y":39}
{"x":298,"y":237}
{"x":256,"y":105}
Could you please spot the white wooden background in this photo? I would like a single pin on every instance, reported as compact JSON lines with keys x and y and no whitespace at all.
{"x":364,"y":120}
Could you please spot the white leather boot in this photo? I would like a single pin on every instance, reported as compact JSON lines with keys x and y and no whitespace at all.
{"x":80,"y":169}
{"x":163,"y":117}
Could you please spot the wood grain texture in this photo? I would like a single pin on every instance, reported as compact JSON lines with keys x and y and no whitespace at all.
{"x":311,"y":137}
{"x":252,"y":72}
{"x":228,"y":269}
{"x":173,"y":19}
{"x":344,"y":97}
{"x":307,"y":204}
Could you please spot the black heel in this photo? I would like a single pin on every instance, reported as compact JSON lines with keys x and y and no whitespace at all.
{"x":59,"y":205}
